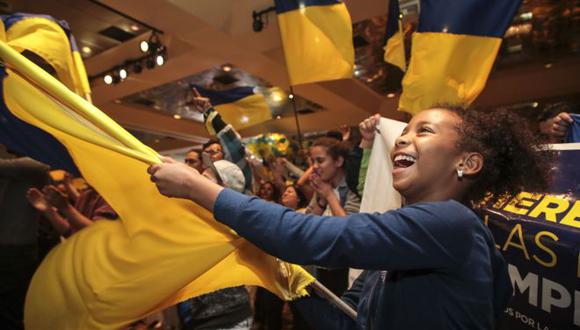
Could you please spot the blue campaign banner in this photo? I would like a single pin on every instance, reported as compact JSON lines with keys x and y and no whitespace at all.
{"x":539,"y":236}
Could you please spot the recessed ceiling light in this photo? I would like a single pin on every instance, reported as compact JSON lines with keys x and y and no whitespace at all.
{"x":86,"y":50}
{"x":548,"y":65}
{"x":226,"y":68}
{"x":391,"y":95}
{"x":108,"y":79}
{"x":176,"y":116}
{"x":134,"y":27}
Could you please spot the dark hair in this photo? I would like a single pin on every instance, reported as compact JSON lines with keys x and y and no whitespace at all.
{"x":514,"y":158}
{"x":210,"y":142}
{"x":335,"y":135}
{"x":302,"y":201}
{"x":333,"y":147}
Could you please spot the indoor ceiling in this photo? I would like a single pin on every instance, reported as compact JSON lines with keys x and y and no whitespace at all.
{"x":539,"y":61}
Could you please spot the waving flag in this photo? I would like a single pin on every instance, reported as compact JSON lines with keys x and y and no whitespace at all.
{"x":162,"y":250}
{"x":51,"y":42}
{"x":317,"y":39}
{"x":454,"y":50}
{"x":395,"y":46}
{"x":240,"y":107}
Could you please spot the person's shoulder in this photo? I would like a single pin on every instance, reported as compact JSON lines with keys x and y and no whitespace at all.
{"x":449,"y":211}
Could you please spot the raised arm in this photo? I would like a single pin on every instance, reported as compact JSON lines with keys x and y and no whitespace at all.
{"x":432,"y":235}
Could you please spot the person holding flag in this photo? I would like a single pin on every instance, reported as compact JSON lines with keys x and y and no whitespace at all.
{"x":432,"y":263}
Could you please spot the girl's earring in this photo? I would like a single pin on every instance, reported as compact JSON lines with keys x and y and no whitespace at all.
{"x":459,"y":174}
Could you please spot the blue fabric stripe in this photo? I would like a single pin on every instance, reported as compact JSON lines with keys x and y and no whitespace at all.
{"x":283,"y":6}
{"x":488,"y":18}
{"x":10,"y":20}
{"x":227,"y":96}
{"x":573,"y":135}
{"x":392,"y":20}
{"x":28,"y":140}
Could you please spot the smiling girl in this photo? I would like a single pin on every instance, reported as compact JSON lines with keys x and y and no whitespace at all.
{"x":431,"y":264}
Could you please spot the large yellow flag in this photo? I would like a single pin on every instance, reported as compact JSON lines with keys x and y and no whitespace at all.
{"x":317,"y":40}
{"x":161,"y":251}
{"x":453,"y":51}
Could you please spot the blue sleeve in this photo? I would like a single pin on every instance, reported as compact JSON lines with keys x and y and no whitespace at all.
{"x":428,"y":235}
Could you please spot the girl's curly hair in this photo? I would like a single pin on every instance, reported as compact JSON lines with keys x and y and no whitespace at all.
{"x":514,"y":157}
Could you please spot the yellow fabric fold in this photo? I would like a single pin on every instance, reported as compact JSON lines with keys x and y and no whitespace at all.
{"x":395,"y":50}
{"x":47,"y":39}
{"x":161,"y":251}
{"x":447,"y":68}
{"x":317,"y":43}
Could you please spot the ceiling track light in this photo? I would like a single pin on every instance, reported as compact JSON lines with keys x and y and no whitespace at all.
{"x":260,"y":18}
{"x":155,"y":55}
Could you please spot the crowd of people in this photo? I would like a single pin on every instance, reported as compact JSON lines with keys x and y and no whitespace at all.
{"x":433,"y":255}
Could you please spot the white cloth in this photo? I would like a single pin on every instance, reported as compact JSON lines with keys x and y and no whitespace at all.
{"x":379,"y":194}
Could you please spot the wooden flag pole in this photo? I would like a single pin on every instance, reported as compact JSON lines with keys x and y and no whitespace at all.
{"x":323,"y":292}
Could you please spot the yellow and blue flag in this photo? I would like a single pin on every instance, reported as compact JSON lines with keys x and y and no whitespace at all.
{"x":453,"y":51}
{"x":160,"y":252}
{"x":395,"y":37}
{"x":51,"y":41}
{"x":317,"y":39}
{"x":240,"y":107}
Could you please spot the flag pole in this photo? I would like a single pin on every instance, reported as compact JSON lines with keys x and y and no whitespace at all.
{"x":323,"y":292}
{"x":293,"y":100}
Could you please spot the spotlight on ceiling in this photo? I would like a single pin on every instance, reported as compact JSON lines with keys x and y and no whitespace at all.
{"x":137,"y":67}
{"x":160,"y":59}
{"x":258,"y":18}
{"x":86,"y":50}
{"x":116,"y":78}
{"x":226,"y":68}
{"x":108,"y":79}
{"x":150,"y":62}
{"x":150,"y":45}
{"x":123,"y":73}
{"x":144,"y":46}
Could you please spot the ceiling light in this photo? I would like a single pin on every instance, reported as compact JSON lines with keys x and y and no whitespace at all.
{"x":226,"y":68}
{"x":176,"y":116}
{"x":535,"y":104}
{"x":291,"y":96}
{"x":391,"y":95}
{"x":108,"y":79}
{"x":86,"y":50}
{"x":123,"y":73}
{"x":116,"y":78}
{"x":137,"y":67}
{"x":150,"y":62}
{"x":278,"y":117}
{"x":548,"y":65}
{"x":134,"y":27}
{"x":276,"y":97}
{"x":144,"y":46}
{"x":160,"y":59}
{"x":244,"y":119}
